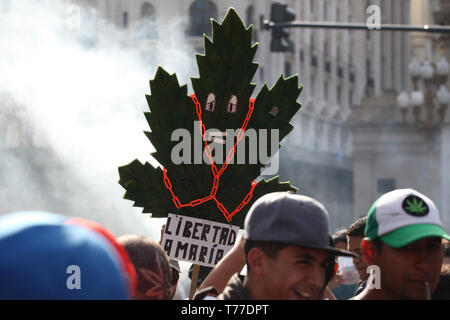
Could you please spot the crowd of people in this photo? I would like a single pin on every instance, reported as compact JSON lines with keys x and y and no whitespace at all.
{"x":399,"y":250}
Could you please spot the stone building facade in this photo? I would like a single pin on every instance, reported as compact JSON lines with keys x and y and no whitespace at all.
{"x":390,"y":151}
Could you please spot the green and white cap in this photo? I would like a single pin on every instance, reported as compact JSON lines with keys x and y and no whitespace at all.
{"x":403,"y":216}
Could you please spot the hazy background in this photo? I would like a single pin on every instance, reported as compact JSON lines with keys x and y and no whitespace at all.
{"x":81,"y":108}
{"x":71,"y":113}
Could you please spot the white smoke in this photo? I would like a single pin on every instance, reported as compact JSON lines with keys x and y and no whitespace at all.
{"x":80,"y":87}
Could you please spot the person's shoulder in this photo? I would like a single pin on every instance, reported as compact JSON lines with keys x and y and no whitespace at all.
{"x":208,"y":293}
{"x":235,"y":290}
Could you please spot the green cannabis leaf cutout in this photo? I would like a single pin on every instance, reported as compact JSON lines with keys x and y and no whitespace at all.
{"x":223,"y":90}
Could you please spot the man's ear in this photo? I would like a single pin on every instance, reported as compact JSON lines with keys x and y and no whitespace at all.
{"x":368,"y":251}
{"x":256,"y":259}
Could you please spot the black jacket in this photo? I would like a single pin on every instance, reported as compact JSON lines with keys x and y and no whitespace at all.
{"x":235,"y":289}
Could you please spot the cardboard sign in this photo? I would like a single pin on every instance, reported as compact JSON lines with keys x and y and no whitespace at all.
{"x":198,"y":241}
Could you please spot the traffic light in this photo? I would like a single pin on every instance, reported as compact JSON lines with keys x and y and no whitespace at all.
{"x":280,"y":35}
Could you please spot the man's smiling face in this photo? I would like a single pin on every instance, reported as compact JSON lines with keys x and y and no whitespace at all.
{"x":297,"y":273}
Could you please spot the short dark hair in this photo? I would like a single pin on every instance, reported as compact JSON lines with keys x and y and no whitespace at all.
{"x":340,"y":236}
{"x":356,"y":229}
{"x":149,"y":259}
{"x":270,"y":248}
{"x":442,"y":291}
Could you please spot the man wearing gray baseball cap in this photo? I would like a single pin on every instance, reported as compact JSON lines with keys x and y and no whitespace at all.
{"x":287,"y":251}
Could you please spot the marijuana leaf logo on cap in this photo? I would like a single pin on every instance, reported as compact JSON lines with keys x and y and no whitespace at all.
{"x":415,"y":206}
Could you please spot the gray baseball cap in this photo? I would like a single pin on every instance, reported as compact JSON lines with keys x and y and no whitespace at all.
{"x":292,"y":219}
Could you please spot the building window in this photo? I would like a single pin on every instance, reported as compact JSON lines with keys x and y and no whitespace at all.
{"x":125,"y":20}
{"x":148,"y":11}
{"x":147,"y":25}
{"x":339,"y":95}
{"x":370,"y":83}
{"x":340,"y":72}
{"x":6,"y":5}
{"x":385,"y":185}
{"x":313,"y":51}
{"x":250,"y":19}
{"x":287,"y":69}
{"x":88,"y":25}
{"x":200,"y":13}
{"x":249,"y":15}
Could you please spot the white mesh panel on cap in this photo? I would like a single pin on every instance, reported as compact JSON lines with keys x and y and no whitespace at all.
{"x":391,"y":216}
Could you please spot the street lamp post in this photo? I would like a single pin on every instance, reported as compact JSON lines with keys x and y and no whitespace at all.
{"x":435,"y":96}
{"x":434,"y":100}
